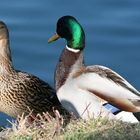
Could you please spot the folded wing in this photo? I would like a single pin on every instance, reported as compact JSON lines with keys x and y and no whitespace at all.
{"x":109,"y":86}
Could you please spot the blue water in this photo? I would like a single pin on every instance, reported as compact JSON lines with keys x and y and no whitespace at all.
{"x":112,"y":35}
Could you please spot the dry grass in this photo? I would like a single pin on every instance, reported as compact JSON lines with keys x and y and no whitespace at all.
{"x":46,"y":127}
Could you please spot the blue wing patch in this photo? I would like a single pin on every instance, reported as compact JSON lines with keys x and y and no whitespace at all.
{"x":112,"y":108}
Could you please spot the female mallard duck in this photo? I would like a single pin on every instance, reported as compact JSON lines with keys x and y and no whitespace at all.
{"x":20,"y":91}
{"x":78,"y":86}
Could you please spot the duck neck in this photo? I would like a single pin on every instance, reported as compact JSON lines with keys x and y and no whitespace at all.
{"x":69,"y":62}
{"x":5,"y":57}
{"x":71,"y":58}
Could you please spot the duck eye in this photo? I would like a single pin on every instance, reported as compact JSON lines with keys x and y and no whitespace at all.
{"x":1,"y":27}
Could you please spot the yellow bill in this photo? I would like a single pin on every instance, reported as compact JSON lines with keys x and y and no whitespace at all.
{"x":53,"y":38}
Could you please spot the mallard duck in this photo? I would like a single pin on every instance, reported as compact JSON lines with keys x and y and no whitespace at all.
{"x":81,"y":87}
{"x":21,"y":92}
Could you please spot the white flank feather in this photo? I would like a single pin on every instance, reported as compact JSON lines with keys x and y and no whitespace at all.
{"x":104,"y":86}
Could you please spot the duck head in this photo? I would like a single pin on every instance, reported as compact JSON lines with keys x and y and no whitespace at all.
{"x":70,"y":29}
{"x":5,"y":53}
{"x":3,"y":31}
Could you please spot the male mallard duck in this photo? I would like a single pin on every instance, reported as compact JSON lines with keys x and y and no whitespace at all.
{"x":20,"y":91}
{"x":78,"y":86}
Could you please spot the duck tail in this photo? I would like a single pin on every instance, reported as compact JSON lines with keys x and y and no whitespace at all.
{"x":137,"y":115}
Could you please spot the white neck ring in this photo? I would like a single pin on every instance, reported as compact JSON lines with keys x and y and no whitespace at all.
{"x":72,"y":50}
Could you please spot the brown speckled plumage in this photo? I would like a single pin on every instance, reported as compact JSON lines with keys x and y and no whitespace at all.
{"x":20,"y":91}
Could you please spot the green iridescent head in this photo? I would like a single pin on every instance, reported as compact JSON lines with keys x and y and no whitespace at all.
{"x":69,"y":28}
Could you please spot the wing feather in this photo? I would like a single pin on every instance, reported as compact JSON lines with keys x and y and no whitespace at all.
{"x":109,"y":86}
